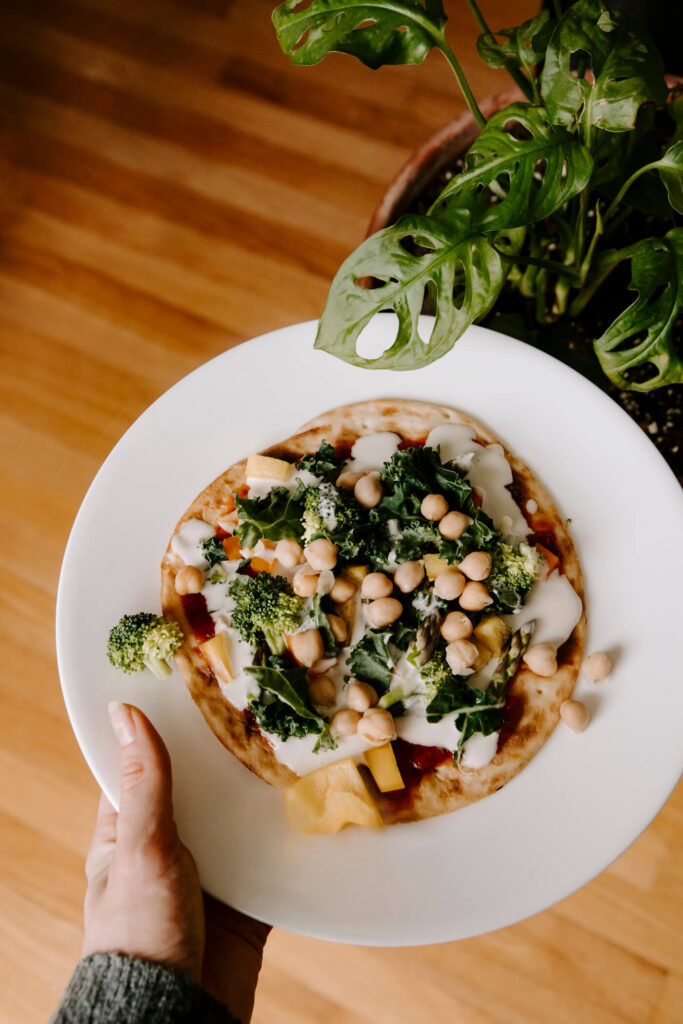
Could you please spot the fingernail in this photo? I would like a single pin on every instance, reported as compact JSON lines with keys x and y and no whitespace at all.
{"x":122,"y":722}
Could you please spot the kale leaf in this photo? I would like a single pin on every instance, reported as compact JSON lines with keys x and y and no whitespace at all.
{"x":213,"y":551}
{"x":324,"y":464}
{"x":277,"y":516}
{"x":371,"y":661}
{"x":295,"y":716}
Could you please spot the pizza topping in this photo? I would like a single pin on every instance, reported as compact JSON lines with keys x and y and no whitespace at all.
{"x":322,"y":691}
{"x":434,"y":507}
{"x":487,"y":469}
{"x":449,"y":584}
{"x":409,"y":575}
{"x":345,"y":722}
{"x":376,"y":585}
{"x":189,"y":580}
{"x":383,"y":612}
{"x":476,"y":565}
{"x":264,"y":467}
{"x":373,"y":450}
{"x":307,"y":647}
{"x":453,"y":525}
{"x":382,"y":763}
{"x":321,"y":554}
{"x":330,"y":798}
{"x":461,"y":655}
{"x":185,"y":543}
{"x":342,"y":590}
{"x":368,"y":490}
{"x":361,"y":696}
{"x":541,"y":659}
{"x":265,"y":609}
{"x":475,"y":597}
{"x":305,"y":582}
{"x":597,"y":666}
{"x":555,"y":607}
{"x":574,"y":714}
{"x":288,"y":553}
{"x":456,"y":626}
{"x":377,"y":726}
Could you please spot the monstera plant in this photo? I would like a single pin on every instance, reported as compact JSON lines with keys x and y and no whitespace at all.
{"x":545,"y":191}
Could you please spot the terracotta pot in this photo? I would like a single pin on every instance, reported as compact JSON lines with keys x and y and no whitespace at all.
{"x":432,"y":157}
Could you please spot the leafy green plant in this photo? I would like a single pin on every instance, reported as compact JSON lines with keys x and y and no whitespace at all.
{"x":544,"y":190}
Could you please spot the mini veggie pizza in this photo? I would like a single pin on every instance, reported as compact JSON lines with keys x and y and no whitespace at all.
{"x":389,"y":588}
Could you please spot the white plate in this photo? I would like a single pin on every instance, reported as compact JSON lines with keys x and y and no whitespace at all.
{"x":582,"y":800}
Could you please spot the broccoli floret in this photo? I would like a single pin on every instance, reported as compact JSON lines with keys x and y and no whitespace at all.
{"x":332,"y":513}
{"x":513,"y":573}
{"x":265,"y":608}
{"x":144,"y":640}
{"x":435,"y":672}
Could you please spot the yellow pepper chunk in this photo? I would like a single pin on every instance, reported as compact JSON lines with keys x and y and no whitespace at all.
{"x":330,"y":798}
{"x":382,"y":763}
{"x":267,"y":468}
{"x":434,"y":565}
{"x":357,"y":573}
{"x":217,"y":653}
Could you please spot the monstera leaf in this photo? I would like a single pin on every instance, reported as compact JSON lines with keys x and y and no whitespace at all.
{"x":671,"y":172}
{"x":535,"y":175}
{"x":380,"y":32}
{"x":644,"y":332}
{"x":460,"y":268}
{"x":626,"y":73}
{"x":521,"y":47}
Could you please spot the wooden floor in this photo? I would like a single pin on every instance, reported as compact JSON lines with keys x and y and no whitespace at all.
{"x":170,"y":186}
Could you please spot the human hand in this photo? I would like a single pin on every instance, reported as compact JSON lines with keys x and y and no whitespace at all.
{"x":143,"y":895}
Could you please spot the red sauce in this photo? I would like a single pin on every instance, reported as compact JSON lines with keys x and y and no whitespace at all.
{"x":412,"y":444}
{"x":194,"y":606}
{"x":414,"y":760}
{"x":221,"y":534}
{"x":512,"y":714}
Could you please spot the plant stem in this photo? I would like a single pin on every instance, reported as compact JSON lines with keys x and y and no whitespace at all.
{"x":626,"y":186}
{"x":462,"y":82}
{"x":552,"y":265}
{"x":603,"y":267}
{"x":517,"y":75}
{"x":558,"y":9}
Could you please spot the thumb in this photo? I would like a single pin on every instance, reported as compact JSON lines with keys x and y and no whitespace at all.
{"x":145,"y":808}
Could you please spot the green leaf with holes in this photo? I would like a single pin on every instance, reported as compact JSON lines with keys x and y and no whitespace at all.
{"x":670,"y":168}
{"x":529,"y":177}
{"x":459,"y":267}
{"x":625,"y":72}
{"x":377,"y":33}
{"x":520,"y":47}
{"x":657,"y":276}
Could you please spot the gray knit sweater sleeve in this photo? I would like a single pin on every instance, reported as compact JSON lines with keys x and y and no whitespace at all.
{"x":111,"y":988}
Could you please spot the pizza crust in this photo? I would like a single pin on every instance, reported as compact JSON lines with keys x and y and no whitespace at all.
{"x":447,"y":787}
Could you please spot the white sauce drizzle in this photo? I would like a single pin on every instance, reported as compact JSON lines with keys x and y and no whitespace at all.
{"x":371,"y":451}
{"x":479,"y":750}
{"x":489,"y":471}
{"x":555,"y":605}
{"x":185,"y":543}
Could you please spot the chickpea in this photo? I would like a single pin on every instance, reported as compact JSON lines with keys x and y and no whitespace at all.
{"x":541,"y":659}
{"x":377,"y":726}
{"x":449,"y":584}
{"x":461,"y":654}
{"x":344,"y":722}
{"x":322,"y":691}
{"x":348,"y":479}
{"x":305,"y":582}
{"x":338,"y":627}
{"x":456,"y":626}
{"x":189,"y":580}
{"x":474,"y":597}
{"x":453,"y":525}
{"x":476,"y":566}
{"x":368,"y":491}
{"x":361,"y":696}
{"x":321,"y":554}
{"x":383,"y":612}
{"x":574,"y":714}
{"x":408,"y":576}
{"x":342,"y":590}
{"x":434,"y":507}
{"x":288,"y":553}
{"x":307,"y":647}
{"x":597,"y":666}
{"x":375,"y":585}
